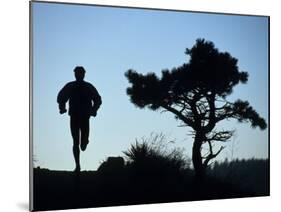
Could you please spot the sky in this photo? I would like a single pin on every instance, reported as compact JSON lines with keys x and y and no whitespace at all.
{"x":107,"y":42}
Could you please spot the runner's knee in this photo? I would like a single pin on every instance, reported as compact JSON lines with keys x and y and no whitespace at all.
{"x":76,"y":145}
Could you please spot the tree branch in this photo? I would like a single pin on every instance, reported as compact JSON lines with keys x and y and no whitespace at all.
{"x":212,"y":116}
{"x":211,"y":155}
{"x":179,"y":115}
{"x":243,"y":112}
{"x":220,"y":136}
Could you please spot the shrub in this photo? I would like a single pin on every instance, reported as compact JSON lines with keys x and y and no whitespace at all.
{"x":111,"y":165}
{"x":153,"y":157}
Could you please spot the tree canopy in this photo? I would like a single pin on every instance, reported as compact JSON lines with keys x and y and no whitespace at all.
{"x":209,"y":73}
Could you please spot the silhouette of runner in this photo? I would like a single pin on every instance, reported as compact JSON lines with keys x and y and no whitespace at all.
{"x":84,"y":101}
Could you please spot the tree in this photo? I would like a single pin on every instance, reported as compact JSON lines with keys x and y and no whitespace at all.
{"x":195,"y":93}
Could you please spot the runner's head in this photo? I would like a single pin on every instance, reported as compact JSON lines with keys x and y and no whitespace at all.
{"x":79,"y":72}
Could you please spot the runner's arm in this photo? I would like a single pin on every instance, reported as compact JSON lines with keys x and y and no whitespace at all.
{"x":63,"y":97}
{"x":96,"y":99}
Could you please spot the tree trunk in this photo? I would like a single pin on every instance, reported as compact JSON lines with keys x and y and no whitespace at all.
{"x":197,"y":158}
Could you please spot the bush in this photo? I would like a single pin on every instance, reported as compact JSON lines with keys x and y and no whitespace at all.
{"x":111,"y":165}
{"x":154,"y":158}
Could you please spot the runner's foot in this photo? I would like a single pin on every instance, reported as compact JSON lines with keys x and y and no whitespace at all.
{"x":77,"y":169}
{"x":84,"y":145}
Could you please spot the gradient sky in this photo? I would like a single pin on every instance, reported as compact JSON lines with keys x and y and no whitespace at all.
{"x":109,"y":41}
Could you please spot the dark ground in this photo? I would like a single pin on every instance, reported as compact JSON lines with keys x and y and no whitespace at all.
{"x":67,"y":190}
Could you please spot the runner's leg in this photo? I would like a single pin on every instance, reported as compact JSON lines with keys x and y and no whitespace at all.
{"x":85,"y":128}
{"x":75,"y":132}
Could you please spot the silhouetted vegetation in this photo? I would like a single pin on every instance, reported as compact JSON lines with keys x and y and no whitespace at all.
{"x":155,"y":167}
{"x":152,"y":156}
{"x":150,"y":172}
{"x":196,"y":94}
{"x":249,"y":175}
{"x":112,"y":165}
